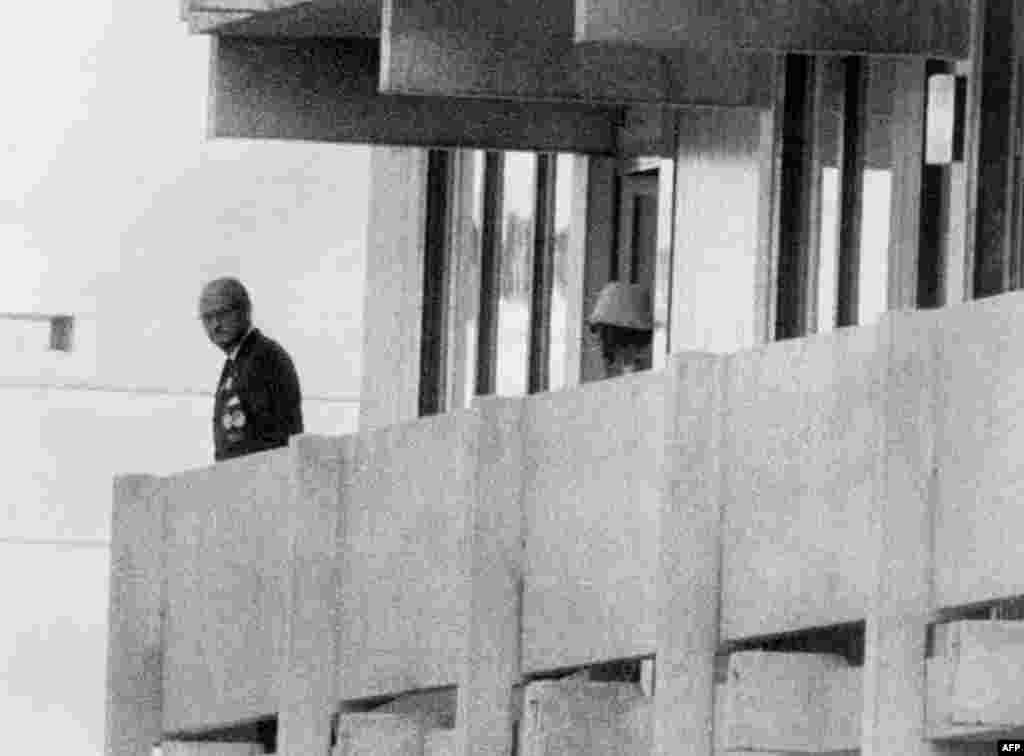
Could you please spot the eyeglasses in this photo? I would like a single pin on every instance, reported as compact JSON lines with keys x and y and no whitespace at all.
{"x":219,"y":314}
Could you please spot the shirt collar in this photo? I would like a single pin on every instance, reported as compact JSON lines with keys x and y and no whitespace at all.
{"x":234,"y":352}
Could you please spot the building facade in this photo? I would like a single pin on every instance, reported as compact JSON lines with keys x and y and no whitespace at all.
{"x":799,"y":521}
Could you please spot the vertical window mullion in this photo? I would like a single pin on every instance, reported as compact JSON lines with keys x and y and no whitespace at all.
{"x":435,"y":285}
{"x":490,"y":274}
{"x":540,"y":298}
{"x":848,"y":294}
{"x":791,"y":285}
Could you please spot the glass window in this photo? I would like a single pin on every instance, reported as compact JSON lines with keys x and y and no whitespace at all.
{"x":843,"y":178}
{"x":560,"y":265}
{"x":518,"y":219}
{"x":507,"y":315}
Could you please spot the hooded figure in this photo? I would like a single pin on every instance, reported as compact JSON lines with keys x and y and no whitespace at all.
{"x":623,"y":323}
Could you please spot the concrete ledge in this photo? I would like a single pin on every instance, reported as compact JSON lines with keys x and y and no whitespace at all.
{"x":373,"y":733}
{"x":974,"y":680}
{"x":573,"y":717}
{"x":435,"y":707}
{"x":395,"y":734}
{"x":791,"y":702}
{"x":183,"y":748}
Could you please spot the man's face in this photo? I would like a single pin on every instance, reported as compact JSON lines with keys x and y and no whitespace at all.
{"x":223,"y":318}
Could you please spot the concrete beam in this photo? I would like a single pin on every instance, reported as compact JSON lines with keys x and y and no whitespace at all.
{"x":326,"y":90}
{"x":492,"y":588}
{"x":525,"y":51}
{"x":934,"y":28}
{"x":902,"y":542}
{"x":309,"y":690}
{"x":689,"y":575}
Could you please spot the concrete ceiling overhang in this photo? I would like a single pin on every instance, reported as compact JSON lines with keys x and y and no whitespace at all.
{"x":527,"y":51}
{"x":933,"y":28}
{"x":494,"y":49}
{"x":326,"y":89}
{"x":288,"y":19}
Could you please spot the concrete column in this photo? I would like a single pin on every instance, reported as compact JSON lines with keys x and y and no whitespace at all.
{"x":134,"y":706}
{"x":309,"y":695}
{"x":894,"y":665}
{"x":394,"y":287}
{"x":689,"y":581}
{"x":491,"y":662}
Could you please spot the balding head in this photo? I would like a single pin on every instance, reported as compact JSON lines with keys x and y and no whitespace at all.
{"x":226,"y":312}
{"x":225,"y":291}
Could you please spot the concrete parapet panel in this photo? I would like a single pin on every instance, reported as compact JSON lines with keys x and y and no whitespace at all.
{"x":573,"y":717}
{"x":592,"y":497}
{"x":804,"y":444}
{"x":226,"y":583}
{"x":979,"y":437}
{"x":403,"y":554}
{"x":791,"y":702}
{"x":974,"y":679}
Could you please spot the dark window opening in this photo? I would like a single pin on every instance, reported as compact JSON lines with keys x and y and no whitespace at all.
{"x":996,"y":149}
{"x":794,"y":193}
{"x":435,"y":285}
{"x":490,"y":274}
{"x":61,"y":332}
{"x":846,"y":640}
{"x":262,"y":731}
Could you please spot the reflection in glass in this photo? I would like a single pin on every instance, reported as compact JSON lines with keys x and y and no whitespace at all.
{"x":940,"y":119}
{"x":467,"y":241}
{"x":516,"y":256}
{"x":874,"y":246}
{"x":560,"y":271}
{"x":828,"y":272}
{"x":831,"y":95}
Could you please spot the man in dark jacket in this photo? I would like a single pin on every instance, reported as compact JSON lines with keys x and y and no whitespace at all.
{"x":258,"y":404}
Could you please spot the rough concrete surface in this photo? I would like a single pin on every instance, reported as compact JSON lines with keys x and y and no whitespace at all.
{"x":592,"y":496}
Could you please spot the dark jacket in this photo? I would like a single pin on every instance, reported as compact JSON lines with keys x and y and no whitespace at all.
{"x":258,"y":404}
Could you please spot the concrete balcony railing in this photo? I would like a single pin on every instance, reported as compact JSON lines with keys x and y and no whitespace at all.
{"x":864,"y":479}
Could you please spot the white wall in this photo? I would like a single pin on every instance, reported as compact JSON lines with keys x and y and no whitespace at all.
{"x":114,"y":208}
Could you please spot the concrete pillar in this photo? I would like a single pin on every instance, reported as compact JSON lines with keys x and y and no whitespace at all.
{"x":134,"y":706}
{"x":309,"y":679}
{"x":896,"y":627}
{"x":394,"y":287}
{"x":689,"y":581}
{"x":493,"y":589}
